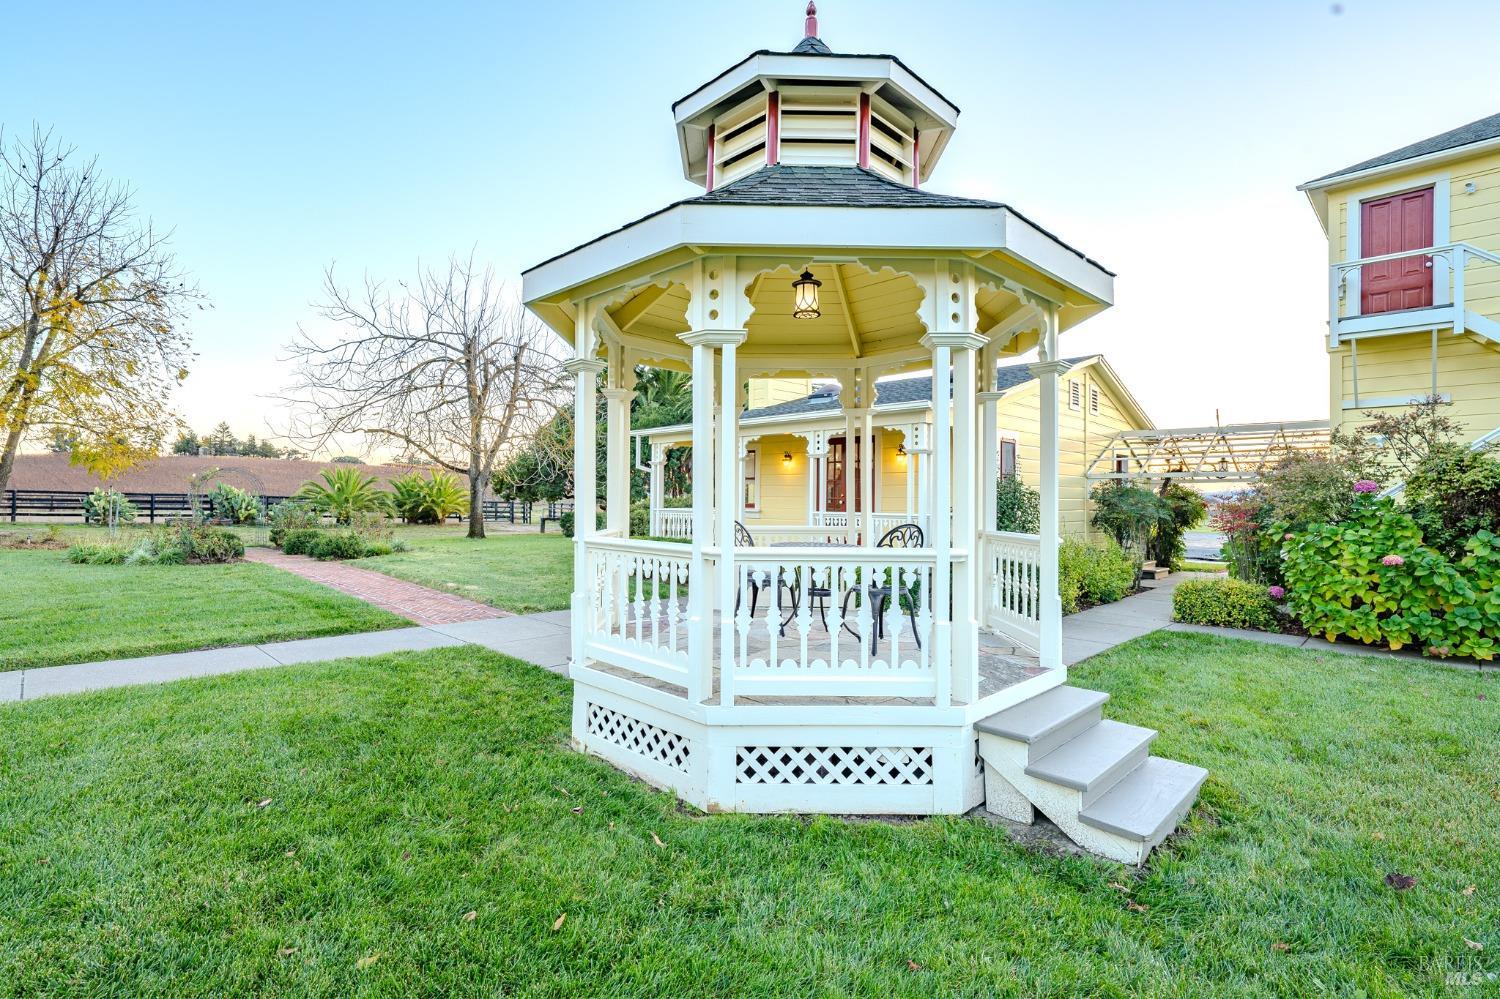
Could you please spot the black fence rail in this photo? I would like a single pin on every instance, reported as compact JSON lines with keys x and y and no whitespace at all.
{"x":29,"y":504}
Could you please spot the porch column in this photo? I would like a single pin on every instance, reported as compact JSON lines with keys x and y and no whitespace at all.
{"x":617,"y":458}
{"x":1047,"y":372}
{"x":911,"y":479}
{"x":919,"y":452}
{"x":989,"y":458}
{"x":658,"y":487}
{"x":700,"y":623}
{"x":585,"y":370}
{"x":849,"y":399}
{"x":820,"y":477}
{"x":941,"y":534}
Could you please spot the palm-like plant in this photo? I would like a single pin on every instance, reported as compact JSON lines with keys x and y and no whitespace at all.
{"x":343,"y":493}
{"x":428,"y":501}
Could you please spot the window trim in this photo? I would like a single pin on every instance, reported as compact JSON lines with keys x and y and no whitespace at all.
{"x":1015,"y":458}
{"x":750,"y":481}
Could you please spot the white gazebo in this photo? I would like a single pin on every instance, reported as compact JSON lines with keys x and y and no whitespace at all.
{"x":810,"y":668}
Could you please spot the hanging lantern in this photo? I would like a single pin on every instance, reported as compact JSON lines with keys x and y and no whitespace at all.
{"x":806,"y":289}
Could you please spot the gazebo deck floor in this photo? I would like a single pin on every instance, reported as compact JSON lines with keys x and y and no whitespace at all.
{"x":1001,"y":664}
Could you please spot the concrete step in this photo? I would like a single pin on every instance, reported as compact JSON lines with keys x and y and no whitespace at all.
{"x":1048,"y":720}
{"x":1092,"y":762}
{"x":1146,"y":804}
{"x":1151,"y":570}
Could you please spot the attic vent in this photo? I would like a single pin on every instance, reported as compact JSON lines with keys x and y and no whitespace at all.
{"x":1094,"y":399}
{"x":1075,"y":394}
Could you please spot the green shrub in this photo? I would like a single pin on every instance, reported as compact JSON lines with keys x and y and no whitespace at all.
{"x":1089,"y":574}
{"x":288,"y":516}
{"x":1374,"y":578}
{"x":1455,"y":494}
{"x":1184,"y":508}
{"x":95,"y":554}
{"x":1018,"y":506}
{"x":640,"y":519}
{"x":211,"y":544}
{"x":1128,"y":513}
{"x":161,"y":547}
{"x":1225,"y":603}
{"x":299,"y":541}
{"x":234,"y":506}
{"x":107,"y":506}
{"x":566,"y":523}
{"x":343,"y":493}
{"x":331,"y":545}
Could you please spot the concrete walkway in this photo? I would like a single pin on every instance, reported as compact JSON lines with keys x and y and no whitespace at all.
{"x":542,"y":639}
{"x":413,"y":601}
{"x":1101,"y":628}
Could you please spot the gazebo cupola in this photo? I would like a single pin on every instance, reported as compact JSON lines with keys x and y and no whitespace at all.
{"x":811,"y":106}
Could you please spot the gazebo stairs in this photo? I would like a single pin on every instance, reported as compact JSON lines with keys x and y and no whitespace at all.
{"x":1093,"y":777}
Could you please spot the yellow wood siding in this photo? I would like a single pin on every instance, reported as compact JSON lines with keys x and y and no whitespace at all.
{"x":1082,"y":435}
{"x":783,"y":487}
{"x":770,"y":391}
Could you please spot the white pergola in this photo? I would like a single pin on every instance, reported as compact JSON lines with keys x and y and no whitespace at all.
{"x":1233,"y":453}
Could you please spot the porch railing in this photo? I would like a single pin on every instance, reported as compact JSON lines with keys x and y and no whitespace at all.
{"x":816,"y":632}
{"x":673,"y":522}
{"x":826,"y":525}
{"x":1010,"y":585}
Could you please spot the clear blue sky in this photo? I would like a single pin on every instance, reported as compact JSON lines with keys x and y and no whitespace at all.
{"x":1163,"y":138}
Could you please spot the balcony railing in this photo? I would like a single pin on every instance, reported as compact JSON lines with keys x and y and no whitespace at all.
{"x":826,"y":526}
{"x":1010,"y":593}
{"x":1452,"y":297}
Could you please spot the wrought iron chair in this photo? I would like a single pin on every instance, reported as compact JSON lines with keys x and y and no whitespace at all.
{"x":744,"y":539}
{"x":879,"y":590}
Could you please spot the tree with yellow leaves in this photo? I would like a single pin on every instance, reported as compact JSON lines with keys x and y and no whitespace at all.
{"x":91,"y":312}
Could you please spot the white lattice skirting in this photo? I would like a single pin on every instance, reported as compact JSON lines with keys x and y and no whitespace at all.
{"x":900,"y":769}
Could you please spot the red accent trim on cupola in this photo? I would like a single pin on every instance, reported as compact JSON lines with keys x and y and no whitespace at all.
{"x":810,"y":29}
{"x":864,"y":130}
{"x":773,"y":128}
{"x":710,"y":171}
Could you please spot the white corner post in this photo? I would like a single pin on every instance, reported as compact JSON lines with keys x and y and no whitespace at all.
{"x":942,"y":531}
{"x":869,"y":464}
{"x":657,"y":488}
{"x":585,"y":369}
{"x":989,"y":454}
{"x":849,"y":402}
{"x":1047,"y":371}
{"x":618,"y":396}
{"x":817,"y":450}
{"x":731,"y":499}
{"x":919,"y":459}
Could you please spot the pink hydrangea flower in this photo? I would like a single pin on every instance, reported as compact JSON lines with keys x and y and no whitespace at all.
{"x":1393,"y":560}
{"x":1275,"y":592}
{"x":1366,"y":486}
{"x":1287,"y":536}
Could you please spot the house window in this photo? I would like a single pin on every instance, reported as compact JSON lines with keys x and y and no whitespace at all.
{"x":1075,"y":394}
{"x":1007,"y":459}
{"x":752,"y":479}
{"x":1094,"y":399}
{"x":1122,"y":462}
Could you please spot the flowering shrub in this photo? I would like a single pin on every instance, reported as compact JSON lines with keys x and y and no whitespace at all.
{"x":1366,"y":486}
{"x":1276,"y":592}
{"x":1373,"y":578}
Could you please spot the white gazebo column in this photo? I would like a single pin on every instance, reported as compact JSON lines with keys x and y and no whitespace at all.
{"x":731,"y":498}
{"x":700,"y":621}
{"x":965,"y":533}
{"x":989,"y":447}
{"x":816,"y":449}
{"x":849,"y":401}
{"x":618,"y":397}
{"x":585,"y":370}
{"x":941,"y":537}
{"x":919,"y":457}
{"x":870,"y":460}
{"x":1047,"y":372}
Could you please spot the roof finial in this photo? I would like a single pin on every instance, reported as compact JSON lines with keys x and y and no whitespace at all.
{"x":811,"y":29}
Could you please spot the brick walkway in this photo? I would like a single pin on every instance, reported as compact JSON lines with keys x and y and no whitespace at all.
{"x":412,"y":601}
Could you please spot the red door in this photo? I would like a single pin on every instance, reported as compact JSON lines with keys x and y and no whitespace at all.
{"x":1393,"y":225}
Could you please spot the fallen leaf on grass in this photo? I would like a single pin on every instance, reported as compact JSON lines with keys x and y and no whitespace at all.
{"x":1134,"y":906}
{"x":1473,"y":944}
{"x":1119,"y":887}
{"x":558,"y":924}
{"x":912,"y":965}
{"x":290,"y":853}
{"x":365,"y":962}
{"x":657,"y":839}
{"x":262,"y":803}
{"x":405,"y":854}
{"x":577,"y":810}
{"x":471,"y":915}
{"x":1281,"y":948}
{"x":1399,"y":881}
{"x":285,"y":951}
{"x":1470,"y":890}
{"x":1377,"y":835}
{"x":564,"y":790}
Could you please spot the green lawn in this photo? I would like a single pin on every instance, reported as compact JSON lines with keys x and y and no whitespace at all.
{"x":326,"y":830}
{"x":521,"y":573}
{"x":54,"y":612}
{"x":1192,"y":566}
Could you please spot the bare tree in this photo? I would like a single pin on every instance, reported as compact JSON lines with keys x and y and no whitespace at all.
{"x":446,"y":368}
{"x":91,"y":305}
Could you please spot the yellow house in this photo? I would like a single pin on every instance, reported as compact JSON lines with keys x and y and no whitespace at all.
{"x":1414,"y":278}
{"x":797,"y":467}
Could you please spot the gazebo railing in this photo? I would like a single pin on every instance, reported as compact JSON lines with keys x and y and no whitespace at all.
{"x":636,"y":605}
{"x":1010,"y":589}
{"x":815,"y":633}
{"x":672,"y":522}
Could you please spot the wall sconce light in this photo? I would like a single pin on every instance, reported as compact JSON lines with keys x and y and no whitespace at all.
{"x":786,"y":458}
{"x":806,"y":289}
{"x":901,"y":453}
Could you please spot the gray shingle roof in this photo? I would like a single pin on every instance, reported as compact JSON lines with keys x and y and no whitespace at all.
{"x":851,"y":187}
{"x":889,"y":393}
{"x":1474,"y":131}
{"x":812,"y":45}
